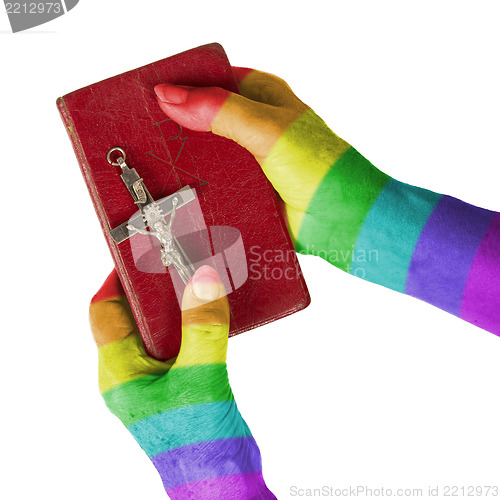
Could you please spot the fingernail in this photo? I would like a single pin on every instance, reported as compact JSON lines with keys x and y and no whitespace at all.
{"x":171,"y":93}
{"x":205,"y":283}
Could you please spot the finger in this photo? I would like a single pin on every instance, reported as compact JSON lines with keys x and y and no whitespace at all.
{"x":110,"y":315}
{"x":205,"y":320}
{"x":122,"y":356}
{"x":254,"y":125}
{"x":191,"y":107}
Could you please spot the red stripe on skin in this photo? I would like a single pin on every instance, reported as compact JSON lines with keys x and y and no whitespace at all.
{"x":111,"y":289}
{"x":241,"y":73}
{"x":191,"y":107}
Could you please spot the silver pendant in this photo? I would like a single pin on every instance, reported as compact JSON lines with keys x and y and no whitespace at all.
{"x":152,"y":214}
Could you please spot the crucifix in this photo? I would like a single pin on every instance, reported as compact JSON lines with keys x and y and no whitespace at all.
{"x":152,"y":214}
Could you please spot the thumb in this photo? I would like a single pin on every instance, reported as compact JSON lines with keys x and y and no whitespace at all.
{"x":205,"y":320}
{"x":254,"y":125}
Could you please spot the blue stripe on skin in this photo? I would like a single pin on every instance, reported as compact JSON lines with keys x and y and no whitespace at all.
{"x":201,"y":422}
{"x":389,"y":233}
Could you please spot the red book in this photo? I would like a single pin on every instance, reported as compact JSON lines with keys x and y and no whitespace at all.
{"x":239,"y":206}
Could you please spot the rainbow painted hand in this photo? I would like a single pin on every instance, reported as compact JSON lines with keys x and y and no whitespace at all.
{"x":182,"y":412}
{"x":343,"y":209}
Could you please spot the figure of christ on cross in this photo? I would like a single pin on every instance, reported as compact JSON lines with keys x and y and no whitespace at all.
{"x":163,"y":232}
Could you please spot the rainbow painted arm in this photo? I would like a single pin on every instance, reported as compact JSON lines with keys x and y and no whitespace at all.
{"x":181,"y":412}
{"x":343,"y":209}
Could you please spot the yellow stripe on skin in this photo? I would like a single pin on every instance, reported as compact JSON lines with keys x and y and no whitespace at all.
{"x":202,"y":345}
{"x":124,"y":360}
{"x":294,"y":220}
{"x":293,"y":145}
{"x":255,"y":126}
{"x":299,"y":161}
{"x":122,"y":356}
{"x":205,"y":328}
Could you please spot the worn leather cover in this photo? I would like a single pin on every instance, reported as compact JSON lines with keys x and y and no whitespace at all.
{"x":232,"y":190}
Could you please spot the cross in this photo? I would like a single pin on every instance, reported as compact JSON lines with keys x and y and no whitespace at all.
{"x":152,"y":213}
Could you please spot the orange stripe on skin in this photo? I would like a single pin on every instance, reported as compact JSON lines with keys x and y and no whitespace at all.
{"x":258,"y":119}
{"x":255,"y":129}
{"x":205,"y":332}
{"x":204,"y":300}
{"x":215,"y":312}
{"x":111,"y":320}
{"x":255,"y":120}
{"x":205,"y":320}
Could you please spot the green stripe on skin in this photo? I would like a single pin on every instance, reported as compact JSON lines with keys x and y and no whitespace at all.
{"x":145,"y":396}
{"x":299,"y":161}
{"x":336,"y":212}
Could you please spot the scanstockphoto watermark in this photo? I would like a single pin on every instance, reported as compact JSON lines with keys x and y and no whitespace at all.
{"x":25,"y":15}
{"x":357,"y":258}
{"x":277,"y":264}
{"x":355,"y":491}
{"x":431,"y":491}
{"x":272,"y":264}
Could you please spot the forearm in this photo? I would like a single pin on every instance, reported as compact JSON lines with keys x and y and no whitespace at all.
{"x":431,"y":246}
{"x":196,"y":438}
{"x":211,"y":460}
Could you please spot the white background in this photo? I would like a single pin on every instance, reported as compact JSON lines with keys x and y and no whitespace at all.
{"x":366,"y":386}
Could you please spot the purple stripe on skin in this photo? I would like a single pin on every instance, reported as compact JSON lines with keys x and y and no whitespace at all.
{"x":444,"y":253}
{"x":239,"y":486}
{"x":481,"y":304}
{"x":208,"y":459}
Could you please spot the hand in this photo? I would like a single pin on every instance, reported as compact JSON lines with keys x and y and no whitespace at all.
{"x":292,"y":144}
{"x":182,"y":412}
{"x":343,"y":209}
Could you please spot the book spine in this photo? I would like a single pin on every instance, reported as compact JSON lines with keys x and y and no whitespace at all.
{"x":103,"y":220}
